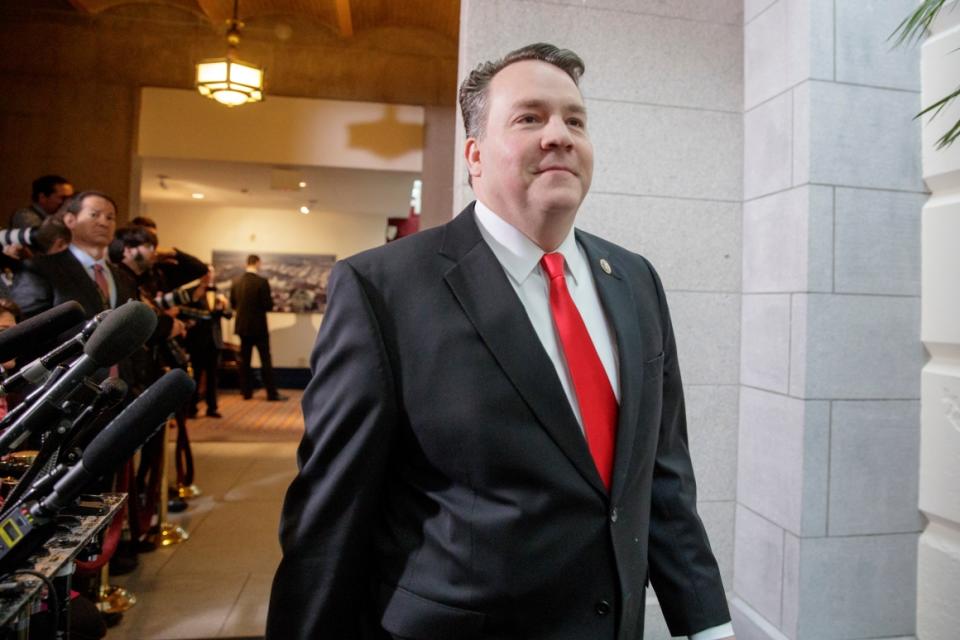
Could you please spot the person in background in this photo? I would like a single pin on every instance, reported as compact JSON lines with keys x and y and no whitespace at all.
{"x":47,"y":195}
{"x":250,"y":297}
{"x":205,"y":339}
{"x":9,"y":313}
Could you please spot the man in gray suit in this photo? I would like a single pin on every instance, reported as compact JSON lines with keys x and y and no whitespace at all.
{"x":495,"y":441}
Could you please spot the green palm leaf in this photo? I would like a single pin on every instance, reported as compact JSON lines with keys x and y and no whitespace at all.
{"x":910,"y":32}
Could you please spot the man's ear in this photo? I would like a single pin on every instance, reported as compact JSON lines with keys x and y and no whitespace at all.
{"x":69,"y":220}
{"x":471,"y":152}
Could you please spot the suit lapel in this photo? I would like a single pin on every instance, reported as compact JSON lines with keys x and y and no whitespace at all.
{"x":620,"y":308}
{"x":489,"y":301}
{"x":86,"y":288}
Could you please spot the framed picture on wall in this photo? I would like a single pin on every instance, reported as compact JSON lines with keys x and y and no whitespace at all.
{"x":298,"y":281}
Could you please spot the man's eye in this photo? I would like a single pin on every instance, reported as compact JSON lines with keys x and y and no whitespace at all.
{"x":576,"y":122}
{"x":528,"y":118}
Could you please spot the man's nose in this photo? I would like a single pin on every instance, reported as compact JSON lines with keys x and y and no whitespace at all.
{"x":556,"y":134}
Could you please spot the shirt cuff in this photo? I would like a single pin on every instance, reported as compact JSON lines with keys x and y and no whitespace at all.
{"x":714,"y":633}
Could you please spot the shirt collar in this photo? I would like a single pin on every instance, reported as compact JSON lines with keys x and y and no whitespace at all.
{"x":86,"y":259}
{"x":518,"y":254}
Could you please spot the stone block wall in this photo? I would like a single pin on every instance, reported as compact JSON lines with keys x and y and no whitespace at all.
{"x":825,"y":544}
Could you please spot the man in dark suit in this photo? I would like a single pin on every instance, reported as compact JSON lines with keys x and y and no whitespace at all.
{"x":495,"y":441}
{"x":250,"y":297}
{"x":83,"y":272}
{"x":204,"y":339}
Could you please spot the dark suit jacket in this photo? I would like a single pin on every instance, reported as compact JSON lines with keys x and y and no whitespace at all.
{"x":250,"y":298}
{"x":47,"y":281}
{"x":446,"y":491}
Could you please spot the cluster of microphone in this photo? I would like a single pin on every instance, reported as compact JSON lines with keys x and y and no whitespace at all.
{"x":71,"y":400}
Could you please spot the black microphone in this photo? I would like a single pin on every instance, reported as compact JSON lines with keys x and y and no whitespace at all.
{"x":66,"y":447}
{"x":121,"y":333}
{"x":39,"y":370}
{"x":118,"y":440}
{"x":28,"y":524}
{"x":41,"y":327}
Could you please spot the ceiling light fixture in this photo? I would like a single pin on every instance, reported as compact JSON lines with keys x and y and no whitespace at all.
{"x":228,"y":80}
{"x":197,"y":196}
{"x":304,"y":209}
{"x":302,"y":184}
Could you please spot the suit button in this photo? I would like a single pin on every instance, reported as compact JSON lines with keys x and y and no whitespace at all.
{"x":602,"y":608}
{"x":613,"y":515}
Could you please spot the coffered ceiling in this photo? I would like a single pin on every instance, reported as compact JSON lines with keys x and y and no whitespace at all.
{"x":345,"y":17}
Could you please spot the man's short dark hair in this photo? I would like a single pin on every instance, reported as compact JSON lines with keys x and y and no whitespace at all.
{"x":252,"y":259}
{"x":46,"y":185}
{"x":134,"y":235}
{"x":76,"y":202}
{"x":474,"y":90}
{"x":144,"y":221}
{"x":49,"y":231}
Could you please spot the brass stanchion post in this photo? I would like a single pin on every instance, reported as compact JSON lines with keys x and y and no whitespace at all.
{"x":170,"y":533}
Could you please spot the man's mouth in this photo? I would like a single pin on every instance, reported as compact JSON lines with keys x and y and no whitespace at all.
{"x":556,"y":168}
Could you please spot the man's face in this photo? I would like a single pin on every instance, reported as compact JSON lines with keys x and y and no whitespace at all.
{"x":94,"y":224}
{"x":141,"y":257}
{"x":50,"y":203}
{"x":535,"y":154}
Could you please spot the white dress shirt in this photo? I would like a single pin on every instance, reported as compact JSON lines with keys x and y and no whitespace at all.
{"x":520,"y":258}
{"x":88,"y":261}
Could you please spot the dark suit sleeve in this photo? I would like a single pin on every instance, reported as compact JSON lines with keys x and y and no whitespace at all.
{"x":32,"y":291}
{"x":332,"y":507}
{"x":266,"y":298}
{"x":683,"y":569}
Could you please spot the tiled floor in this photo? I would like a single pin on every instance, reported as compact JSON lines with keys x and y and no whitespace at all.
{"x":216,"y":584}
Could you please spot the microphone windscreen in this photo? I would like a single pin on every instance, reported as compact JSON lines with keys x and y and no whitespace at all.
{"x":122,"y":332}
{"x":16,"y":340}
{"x":137,"y":422}
{"x":114,"y":390}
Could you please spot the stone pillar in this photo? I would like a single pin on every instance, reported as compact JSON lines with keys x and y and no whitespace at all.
{"x":439,"y":146}
{"x":938,"y":574}
{"x":663,"y":88}
{"x":826,"y":522}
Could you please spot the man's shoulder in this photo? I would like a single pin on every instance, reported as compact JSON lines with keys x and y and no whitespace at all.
{"x":601,"y":247}
{"x":408,"y":252}
{"x":51,"y":264}
{"x":25,"y":217}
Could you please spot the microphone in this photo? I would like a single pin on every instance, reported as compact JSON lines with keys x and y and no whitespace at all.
{"x":118,"y":440}
{"x":41,"y":327}
{"x":121,"y":333}
{"x":38,"y":371}
{"x":66,"y":446}
{"x":28,"y":523}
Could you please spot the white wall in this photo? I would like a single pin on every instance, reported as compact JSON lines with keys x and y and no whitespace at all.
{"x":938,"y":562}
{"x":199,"y":229}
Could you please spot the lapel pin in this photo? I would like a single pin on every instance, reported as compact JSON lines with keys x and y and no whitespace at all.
{"x":605,"y":266}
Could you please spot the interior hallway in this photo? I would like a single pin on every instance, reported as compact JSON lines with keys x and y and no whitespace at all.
{"x":217,"y":584}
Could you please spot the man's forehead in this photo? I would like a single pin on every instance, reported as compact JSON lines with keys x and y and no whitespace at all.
{"x":528,"y":81}
{"x":97,"y":204}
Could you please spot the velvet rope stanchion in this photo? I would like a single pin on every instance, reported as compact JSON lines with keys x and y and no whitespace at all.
{"x":170,"y":534}
{"x":183,"y":457}
{"x":111,"y":598}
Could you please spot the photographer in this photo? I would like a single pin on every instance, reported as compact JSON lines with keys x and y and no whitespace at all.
{"x":205,"y":339}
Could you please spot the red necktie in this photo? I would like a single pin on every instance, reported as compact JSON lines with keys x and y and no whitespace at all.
{"x":598,"y":404}
{"x":101,"y":281}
